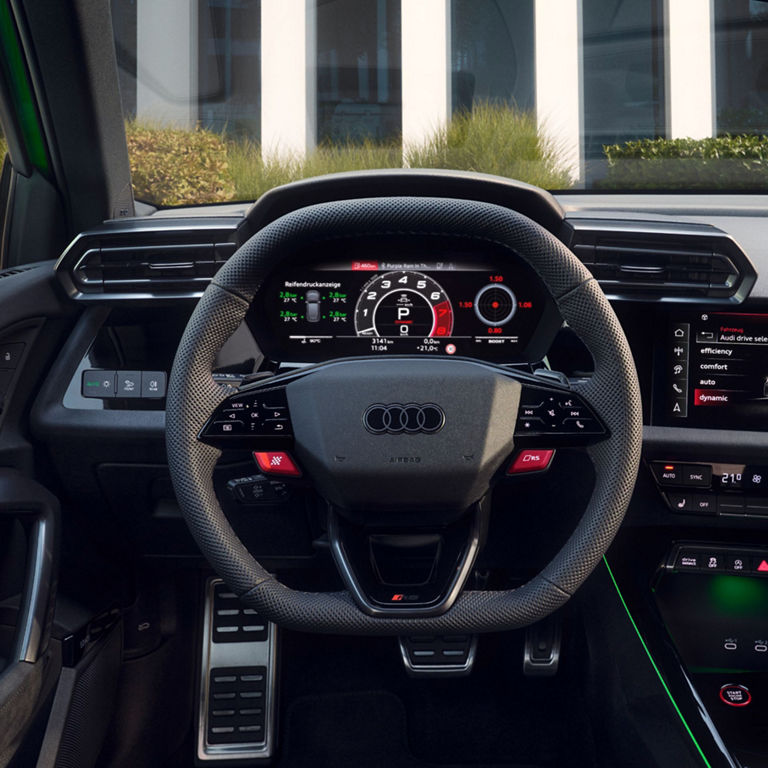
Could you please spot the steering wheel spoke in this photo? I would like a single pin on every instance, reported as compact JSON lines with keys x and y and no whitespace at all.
{"x":397,"y":571}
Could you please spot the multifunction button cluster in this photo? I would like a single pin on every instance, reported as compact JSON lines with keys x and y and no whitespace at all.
{"x":728,"y":490}
{"x":548,"y":412}
{"x":258,"y":413}
{"x":104,"y":384}
{"x":717,"y":559}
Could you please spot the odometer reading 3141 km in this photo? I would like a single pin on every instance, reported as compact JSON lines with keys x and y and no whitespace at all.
{"x":403,"y":304}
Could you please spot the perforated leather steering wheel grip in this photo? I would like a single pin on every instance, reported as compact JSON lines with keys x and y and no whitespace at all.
{"x":612,"y":391}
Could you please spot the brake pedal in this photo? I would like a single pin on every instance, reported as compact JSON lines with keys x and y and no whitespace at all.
{"x":237,"y":683}
{"x":541,"y":655}
{"x":443,"y":655}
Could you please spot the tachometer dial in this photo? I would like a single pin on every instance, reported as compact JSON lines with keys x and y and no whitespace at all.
{"x":495,"y":304}
{"x":403,"y":304}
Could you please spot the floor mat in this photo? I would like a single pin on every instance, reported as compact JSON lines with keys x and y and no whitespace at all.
{"x":360,"y":729}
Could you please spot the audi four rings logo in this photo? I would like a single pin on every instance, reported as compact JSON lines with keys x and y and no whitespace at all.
{"x":394,"y":418}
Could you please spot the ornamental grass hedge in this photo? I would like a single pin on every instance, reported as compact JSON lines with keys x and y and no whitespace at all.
{"x":724,"y":163}
{"x":171,"y":166}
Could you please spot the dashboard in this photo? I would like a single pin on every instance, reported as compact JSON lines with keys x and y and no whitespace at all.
{"x":432,"y":297}
{"x":687,"y":284}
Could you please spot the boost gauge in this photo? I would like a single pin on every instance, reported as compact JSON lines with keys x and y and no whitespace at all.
{"x":495,"y":304}
{"x":403,"y":304}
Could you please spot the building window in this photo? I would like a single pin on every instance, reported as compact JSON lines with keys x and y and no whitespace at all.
{"x":358,"y":70}
{"x":229,"y":63}
{"x":741,"y":66}
{"x":492,"y":53}
{"x":623,"y":72}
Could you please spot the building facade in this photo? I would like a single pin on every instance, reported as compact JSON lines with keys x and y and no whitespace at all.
{"x":293,"y":73}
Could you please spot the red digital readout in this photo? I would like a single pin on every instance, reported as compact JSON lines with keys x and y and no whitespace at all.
{"x":443,"y":319}
{"x":365,"y":266}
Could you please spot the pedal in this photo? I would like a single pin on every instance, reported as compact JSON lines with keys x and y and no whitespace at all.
{"x":443,"y":655}
{"x":236,"y":719}
{"x":541,"y":655}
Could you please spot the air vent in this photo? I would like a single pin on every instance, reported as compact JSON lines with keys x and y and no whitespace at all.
{"x":663,"y":262}
{"x":155,"y":257}
{"x":152,"y":269}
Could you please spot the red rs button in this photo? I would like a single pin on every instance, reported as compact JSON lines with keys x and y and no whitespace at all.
{"x":276,"y":463}
{"x":530,"y":461}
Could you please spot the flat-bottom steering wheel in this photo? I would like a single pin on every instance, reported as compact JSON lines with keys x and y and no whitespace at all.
{"x":405,"y":446}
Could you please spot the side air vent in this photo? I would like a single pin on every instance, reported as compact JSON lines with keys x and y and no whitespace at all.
{"x":668,"y":262}
{"x":144,"y":260}
{"x":150,"y":268}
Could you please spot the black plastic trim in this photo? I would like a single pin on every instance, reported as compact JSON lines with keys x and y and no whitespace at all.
{"x":533,"y":202}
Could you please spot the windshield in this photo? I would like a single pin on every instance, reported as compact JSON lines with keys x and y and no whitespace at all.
{"x":224,"y":99}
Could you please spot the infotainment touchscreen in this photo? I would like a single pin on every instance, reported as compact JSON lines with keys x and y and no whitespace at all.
{"x":717,"y":371}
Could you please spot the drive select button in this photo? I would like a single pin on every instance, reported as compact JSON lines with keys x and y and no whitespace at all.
{"x":530,"y":461}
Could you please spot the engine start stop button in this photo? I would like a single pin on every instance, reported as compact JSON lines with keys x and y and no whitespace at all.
{"x":735,"y":695}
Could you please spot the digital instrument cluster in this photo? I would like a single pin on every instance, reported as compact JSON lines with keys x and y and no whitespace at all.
{"x":449,"y":304}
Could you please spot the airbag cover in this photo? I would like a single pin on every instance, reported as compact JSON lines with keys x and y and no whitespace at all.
{"x":447,"y":470}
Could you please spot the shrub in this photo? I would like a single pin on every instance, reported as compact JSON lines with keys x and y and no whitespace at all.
{"x":498,"y":139}
{"x":171,"y":166}
{"x":176,"y":167}
{"x":3,"y":148}
{"x":726,"y":162}
{"x":348,"y":156}
{"x":253,"y":175}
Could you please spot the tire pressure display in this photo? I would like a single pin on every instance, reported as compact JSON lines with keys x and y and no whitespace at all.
{"x":463,"y":303}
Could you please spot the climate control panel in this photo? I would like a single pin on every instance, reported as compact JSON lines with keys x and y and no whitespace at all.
{"x":713,"y":488}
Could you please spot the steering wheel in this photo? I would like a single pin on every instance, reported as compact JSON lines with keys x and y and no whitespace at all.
{"x":405,"y":445}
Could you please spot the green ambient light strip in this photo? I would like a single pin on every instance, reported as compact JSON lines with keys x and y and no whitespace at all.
{"x":21,"y":93}
{"x":655,"y":668}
